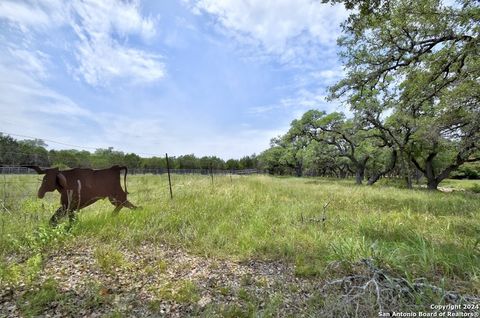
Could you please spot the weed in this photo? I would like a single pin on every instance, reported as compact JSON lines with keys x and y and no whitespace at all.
{"x":244,"y":295}
{"x":39,"y":239}
{"x":26,"y":272}
{"x":154,"y":305}
{"x":316,"y":301}
{"x":262,"y":282}
{"x":247,"y":280}
{"x":34,"y":302}
{"x":95,"y":295}
{"x":108,"y":259}
{"x":162,"y":266}
{"x":183,"y":291}
{"x":225,"y":290}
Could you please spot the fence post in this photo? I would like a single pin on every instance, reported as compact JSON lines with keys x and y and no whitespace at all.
{"x":169,"y":180}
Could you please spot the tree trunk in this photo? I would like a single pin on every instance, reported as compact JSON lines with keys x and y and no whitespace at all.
{"x":374,"y":179}
{"x":360,"y":174}
{"x":360,"y":165}
{"x":299,"y":170}
{"x":418,"y":176}
{"x":429,"y":173}
{"x":405,"y":168}
{"x":408,"y":181}
{"x":432,"y":182}
{"x":393,"y":160}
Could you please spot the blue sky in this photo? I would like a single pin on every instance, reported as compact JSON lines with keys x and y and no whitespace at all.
{"x":209,"y":77}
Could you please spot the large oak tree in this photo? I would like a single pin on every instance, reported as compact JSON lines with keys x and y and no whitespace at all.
{"x":419,"y":61}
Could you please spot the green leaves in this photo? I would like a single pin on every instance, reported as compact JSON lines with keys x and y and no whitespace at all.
{"x":412,"y":70}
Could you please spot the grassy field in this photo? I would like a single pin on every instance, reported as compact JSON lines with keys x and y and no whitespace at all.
{"x":413,"y":234}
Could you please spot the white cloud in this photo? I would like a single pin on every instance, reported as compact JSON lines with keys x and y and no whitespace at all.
{"x":304,"y":99}
{"x":33,"y":61}
{"x":30,"y":108}
{"x":286,"y":28}
{"x":100,"y":55}
{"x":100,"y":61}
{"x":103,"y":29}
{"x":100,"y":18}
{"x":263,"y":109}
{"x":298,"y":104}
{"x":328,"y":76}
{"x":36,"y":14}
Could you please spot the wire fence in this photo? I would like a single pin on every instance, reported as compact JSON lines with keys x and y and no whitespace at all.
{"x":23,"y":170}
{"x":194,"y":171}
{"x":15,"y":189}
{"x":19,"y":184}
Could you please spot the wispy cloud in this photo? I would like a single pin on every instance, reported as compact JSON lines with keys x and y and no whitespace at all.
{"x":100,"y":55}
{"x":29,"y":107}
{"x":263,"y":109}
{"x":102,"y":18}
{"x":102,"y":28}
{"x":298,"y":33}
{"x":284,"y":28}
{"x":100,"y":61}
{"x":297,"y":104}
{"x":32,"y":61}
{"x":39,"y":15}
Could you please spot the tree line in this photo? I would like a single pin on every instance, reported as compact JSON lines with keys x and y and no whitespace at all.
{"x":412,"y":83}
{"x":34,"y":152}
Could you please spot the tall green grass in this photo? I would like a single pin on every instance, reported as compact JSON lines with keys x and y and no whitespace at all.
{"x":415,"y":233}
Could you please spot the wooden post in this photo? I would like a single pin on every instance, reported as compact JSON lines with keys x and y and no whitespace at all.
{"x":169,"y":180}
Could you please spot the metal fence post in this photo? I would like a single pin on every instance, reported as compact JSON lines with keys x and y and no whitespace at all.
{"x":169,"y":180}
